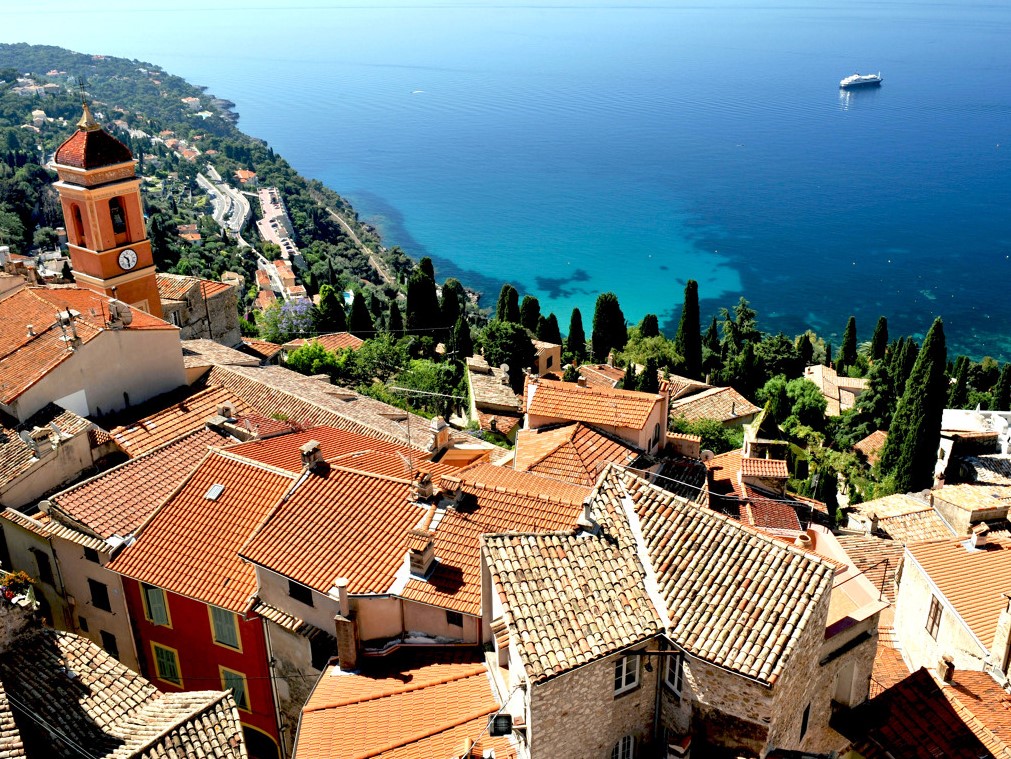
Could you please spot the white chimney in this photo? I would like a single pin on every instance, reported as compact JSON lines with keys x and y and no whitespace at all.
{"x":311,"y":454}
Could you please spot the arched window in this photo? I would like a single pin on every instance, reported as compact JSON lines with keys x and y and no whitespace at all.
{"x":118,"y":216}
{"x":624,"y":749}
{"x":78,"y":227}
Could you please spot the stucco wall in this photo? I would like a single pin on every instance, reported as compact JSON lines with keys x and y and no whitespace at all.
{"x":20,"y":543}
{"x":52,"y":469}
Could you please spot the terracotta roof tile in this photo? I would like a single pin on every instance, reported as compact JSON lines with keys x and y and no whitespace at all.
{"x":872,"y":445}
{"x":877,"y":558}
{"x":262,"y":348}
{"x":490,"y":393}
{"x":593,"y":405}
{"x":42,"y":525}
{"x":764,"y":468}
{"x":334,"y":341}
{"x":770,"y":515}
{"x":975,"y":497}
{"x":973,"y":582}
{"x":905,"y":518}
{"x":211,"y":352}
{"x":283,"y":452}
{"x":889,"y":666}
{"x":108,"y":708}
{"x":181,"y":287}
{"x":92,"y":149}
{"x":117,"y":501}
{"x":721,"y":403}
{"x":423,"y":708}
{"x":500,"y":422}
{"x":984,"y":706}
{"x":574,"y":453}
{"x":16,"y":456}
{"x":193,"y":530}
{"x":601,"y":375}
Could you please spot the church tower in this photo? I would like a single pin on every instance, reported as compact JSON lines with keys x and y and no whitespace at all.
{"x":104,"y":216}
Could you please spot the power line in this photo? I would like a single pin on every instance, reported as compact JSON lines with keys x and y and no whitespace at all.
{"x":50,"y":728}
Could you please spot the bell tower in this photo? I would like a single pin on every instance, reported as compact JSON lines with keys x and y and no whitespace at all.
{"x":102,"y":210}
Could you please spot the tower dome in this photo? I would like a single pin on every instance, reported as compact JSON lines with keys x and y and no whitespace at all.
{"x":91,"y":147}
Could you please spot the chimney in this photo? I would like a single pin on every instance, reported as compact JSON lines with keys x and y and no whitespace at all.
{"x":31,"y":330}
{"x":586,"y":520}
{"x":946,"y":668}
{"x":341,"y":586}
{"x":346,"y":628}
{"x":421,"y":551}
{"x":311,"y":454}
{"x":226,"y":409}
{"x":873,"y":523}
{"x":423,"y":487}
{"x":803,"y":541}
{"x":440,"y":435}
{"x":581,"y":381}
{"x":452,"y":488}
{"x":977,"y":536}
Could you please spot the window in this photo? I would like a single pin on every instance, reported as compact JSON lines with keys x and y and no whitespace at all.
{"x":625,"y":748}
{"x":91,"y":555}
{"x":454,"y":618}
{"x":236,"y":683}
{"x":321,"y":648}
{"x":117,"y":216}
{"x":45,"y":567}
{"x":166,"y":664}
{"x":300,"y":592}
{"x":155,"y":605}
{"x":82,"y":624}
{"x":550,"y":361}
{"x":673,"y":674}
{"x":934,"y":617}
{"x":626,"y":674}
{"x":804,"y":720}
{"x":99,"y":595}
{"x":225,"y":627}
{"x":109,"y":643}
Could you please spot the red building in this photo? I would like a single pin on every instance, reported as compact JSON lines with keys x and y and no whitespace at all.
{"x":190,"y":596}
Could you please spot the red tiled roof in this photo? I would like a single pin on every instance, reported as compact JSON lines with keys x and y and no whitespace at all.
{"x":601,"y":375}
{"x":985,"y":707}
{"x":283,"y":452}
{"x":764,"y":468}
{"x":118,"y":501}
{"x":421,"y":708}
{"x":574,"y":453}
{"x":262,"y":348}
{"x":25,"y":359}
{"x":178,"y":286}
{"x":765,"y":513}
{"x":877,"y":558}
{"x":593,"y":405}
{"x":500,"y":421}
{"x":92,"y":149}
{"x":191,"y":545}
{"x":335,"y":341}
{"x":721,"y":403}
{"x":872,"y":445}
{"x":17,"y":456}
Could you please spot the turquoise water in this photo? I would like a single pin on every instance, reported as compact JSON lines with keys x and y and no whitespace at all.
{"x":574,"y":148}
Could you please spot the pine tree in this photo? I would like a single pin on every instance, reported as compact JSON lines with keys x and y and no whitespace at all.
{"x":1002,"y":390}
{"x":463,"y":344}
{"x":805,"y":348}
{"x":609,"y":331}
{"x":395,"y":324}
{"x":427,"y":268}
{"x":360,"y":321}
{"x":649,"y":326}
{"x":530,"y":312}
{"x":848,"y":349}
{"x":649,"y":381}
{"x":958,"y":393}
{"x":423,"y":311}
{"x":547,"y":330}
{"x":575,"y":342}
{"x":879,"y":341}
{"x":688,"y":340}
{"x":453,"y":299}
{"x":330,"y":315}
{"x":910,"y":451}
{"x":508,"y":307}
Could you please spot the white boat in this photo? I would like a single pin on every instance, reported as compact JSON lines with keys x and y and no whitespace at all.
{"x":861,"y":80}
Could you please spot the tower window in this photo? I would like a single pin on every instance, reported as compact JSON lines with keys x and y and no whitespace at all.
{"x":118,"y":216}
{"x":79,"y":227}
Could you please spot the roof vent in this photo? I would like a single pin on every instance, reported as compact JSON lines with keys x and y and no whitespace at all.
{"x":803,"y":541}
{"x":226,"y":409}
{"x":500,"y":724}
{"x":31,"y":330}
{"x":423,"y":487}
{"x":977,"y":537}
{"x":214,"y":492}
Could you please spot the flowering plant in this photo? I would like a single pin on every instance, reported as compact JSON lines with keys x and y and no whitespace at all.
{"x":14,"y":584}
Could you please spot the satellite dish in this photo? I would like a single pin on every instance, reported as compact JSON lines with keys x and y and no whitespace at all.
{"x":707,"y":456}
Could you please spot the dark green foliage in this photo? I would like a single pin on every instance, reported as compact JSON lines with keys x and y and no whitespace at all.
{"x":777,"y":354}
{"x":848,"y":349}
{"x":508,"y":343}
{"x":826,"y":490}
{"x":879,"y":341}
{"x":330,"y":315}
{"x":910,"y":451}
{"x":807,"y":404}
{"x":712,"y":357}
{"x":958,"y":393}
{"x":395,"y":323}
{"x":463,"y":344}
{"x":828,"y":354}
{"x":903,"y":366}
{"x":631,"y":380}
{"x":453,"y":299}
{"x":360,"y":321}
{"x":715,"y":437}
{"x":688,"y":339}
{"x":1002,"y":390}
{"x":649,"y":326}
{"x":508,"y":307}
{"x":609,"y":330}
{"x":547,"y":330}
{"x":571,"y":374}
{"x":805,"y":349}
{"x":777,"y":405}
{"x":426,"y":267}
{"x":575,"y":341}
{"x":649,"y":380}
{"x":424,"y":315}
{"x":530,"y":312}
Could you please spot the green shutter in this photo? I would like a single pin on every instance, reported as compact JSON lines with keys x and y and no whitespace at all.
{"x":167,"y":665}
{"x":237,"y":684}
{"x":157,"y":605}
{"x":225,"y":630}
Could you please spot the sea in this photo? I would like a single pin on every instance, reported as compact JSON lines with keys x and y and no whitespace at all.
{"x":576,"y":147}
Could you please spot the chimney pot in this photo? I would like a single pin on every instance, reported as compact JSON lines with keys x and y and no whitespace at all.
{"x":946,"y":668}
{"x":311,"y":454}
{"x":423,"y":487}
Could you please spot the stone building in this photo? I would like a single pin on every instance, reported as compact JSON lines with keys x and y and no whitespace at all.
{"x":678,"y":627}
{"x":200,"y":308}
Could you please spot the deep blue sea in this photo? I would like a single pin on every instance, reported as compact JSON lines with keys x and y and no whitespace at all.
{"x":572,"y":148}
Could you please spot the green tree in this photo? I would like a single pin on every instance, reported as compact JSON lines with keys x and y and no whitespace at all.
{"x":1002,"y":390}
{"x":508,"y":307}
{"x":910,"y":451}
{"x":777,"y":404}
{"x":453,"y":299}
{"x":547,"y":330}
{"x":905,"y":361}
{"x":715,"y":437}
{"x":426,"y":267}
{"x":827,"y":490}
{"x":45,"y":238}
{"x":508,"y":343}
{"x":330,"y":316}
{"x":777,"y":354}
{"x":395,"y":322}
{"x":311,"y":358}
{"x":609,"y":331}
{"x":530,"y":312}
{"x":285,"y":321}
{"x":631,"y":379}
{"x":423,"y":311}
{"x":463,"y":344}
{"x":688,"y":340}
{"x":575,"y":342}
{"x":360,"y":321}
{"x":571,"y":374}
{"x":877,"y":403}
{"x":958,"y":393}
{"x":649,"y":381}
{"x":805,"y":349}
{"x":712,"y":356}
{"x":807,"y":404}
{"x":879,"y":341}
{"x":649,"y":326}
{"x":848,"y":349}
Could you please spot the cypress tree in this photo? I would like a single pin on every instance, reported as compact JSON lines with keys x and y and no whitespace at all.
{"x":330,"y":316}
{"x":712,"y":358}
{"x":631,"y":380}
{"x":958,"y":394}
{"x":395,"y":323}
{"x":805,"y":348}
{"x":649,"y":380}
{"x":423,"y":312}
{"x":508,"y":307}
{"x":547,"y":330}
{"x":688,"y":340}
{"x":879,"y":341}
{"x":375,"y":306}
{"x":649,"y":326}
{"x":453,"y":298}
{"x":575,"y":343}
{"x":360,"y":321}
{"x":463,"y":344}
{"x":530,"y":312}
{"x":904,"y":366}
{"x":848,"y":349}
{"x":1002,"y":390}
{"x":828,"y":354}
{"x":609,"y":331}
{"x":427,"y":268}
{"x":910,"y":451}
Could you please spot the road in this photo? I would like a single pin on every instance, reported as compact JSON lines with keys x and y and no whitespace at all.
{"x":231,"y":208}
{"x":373,"y":261}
